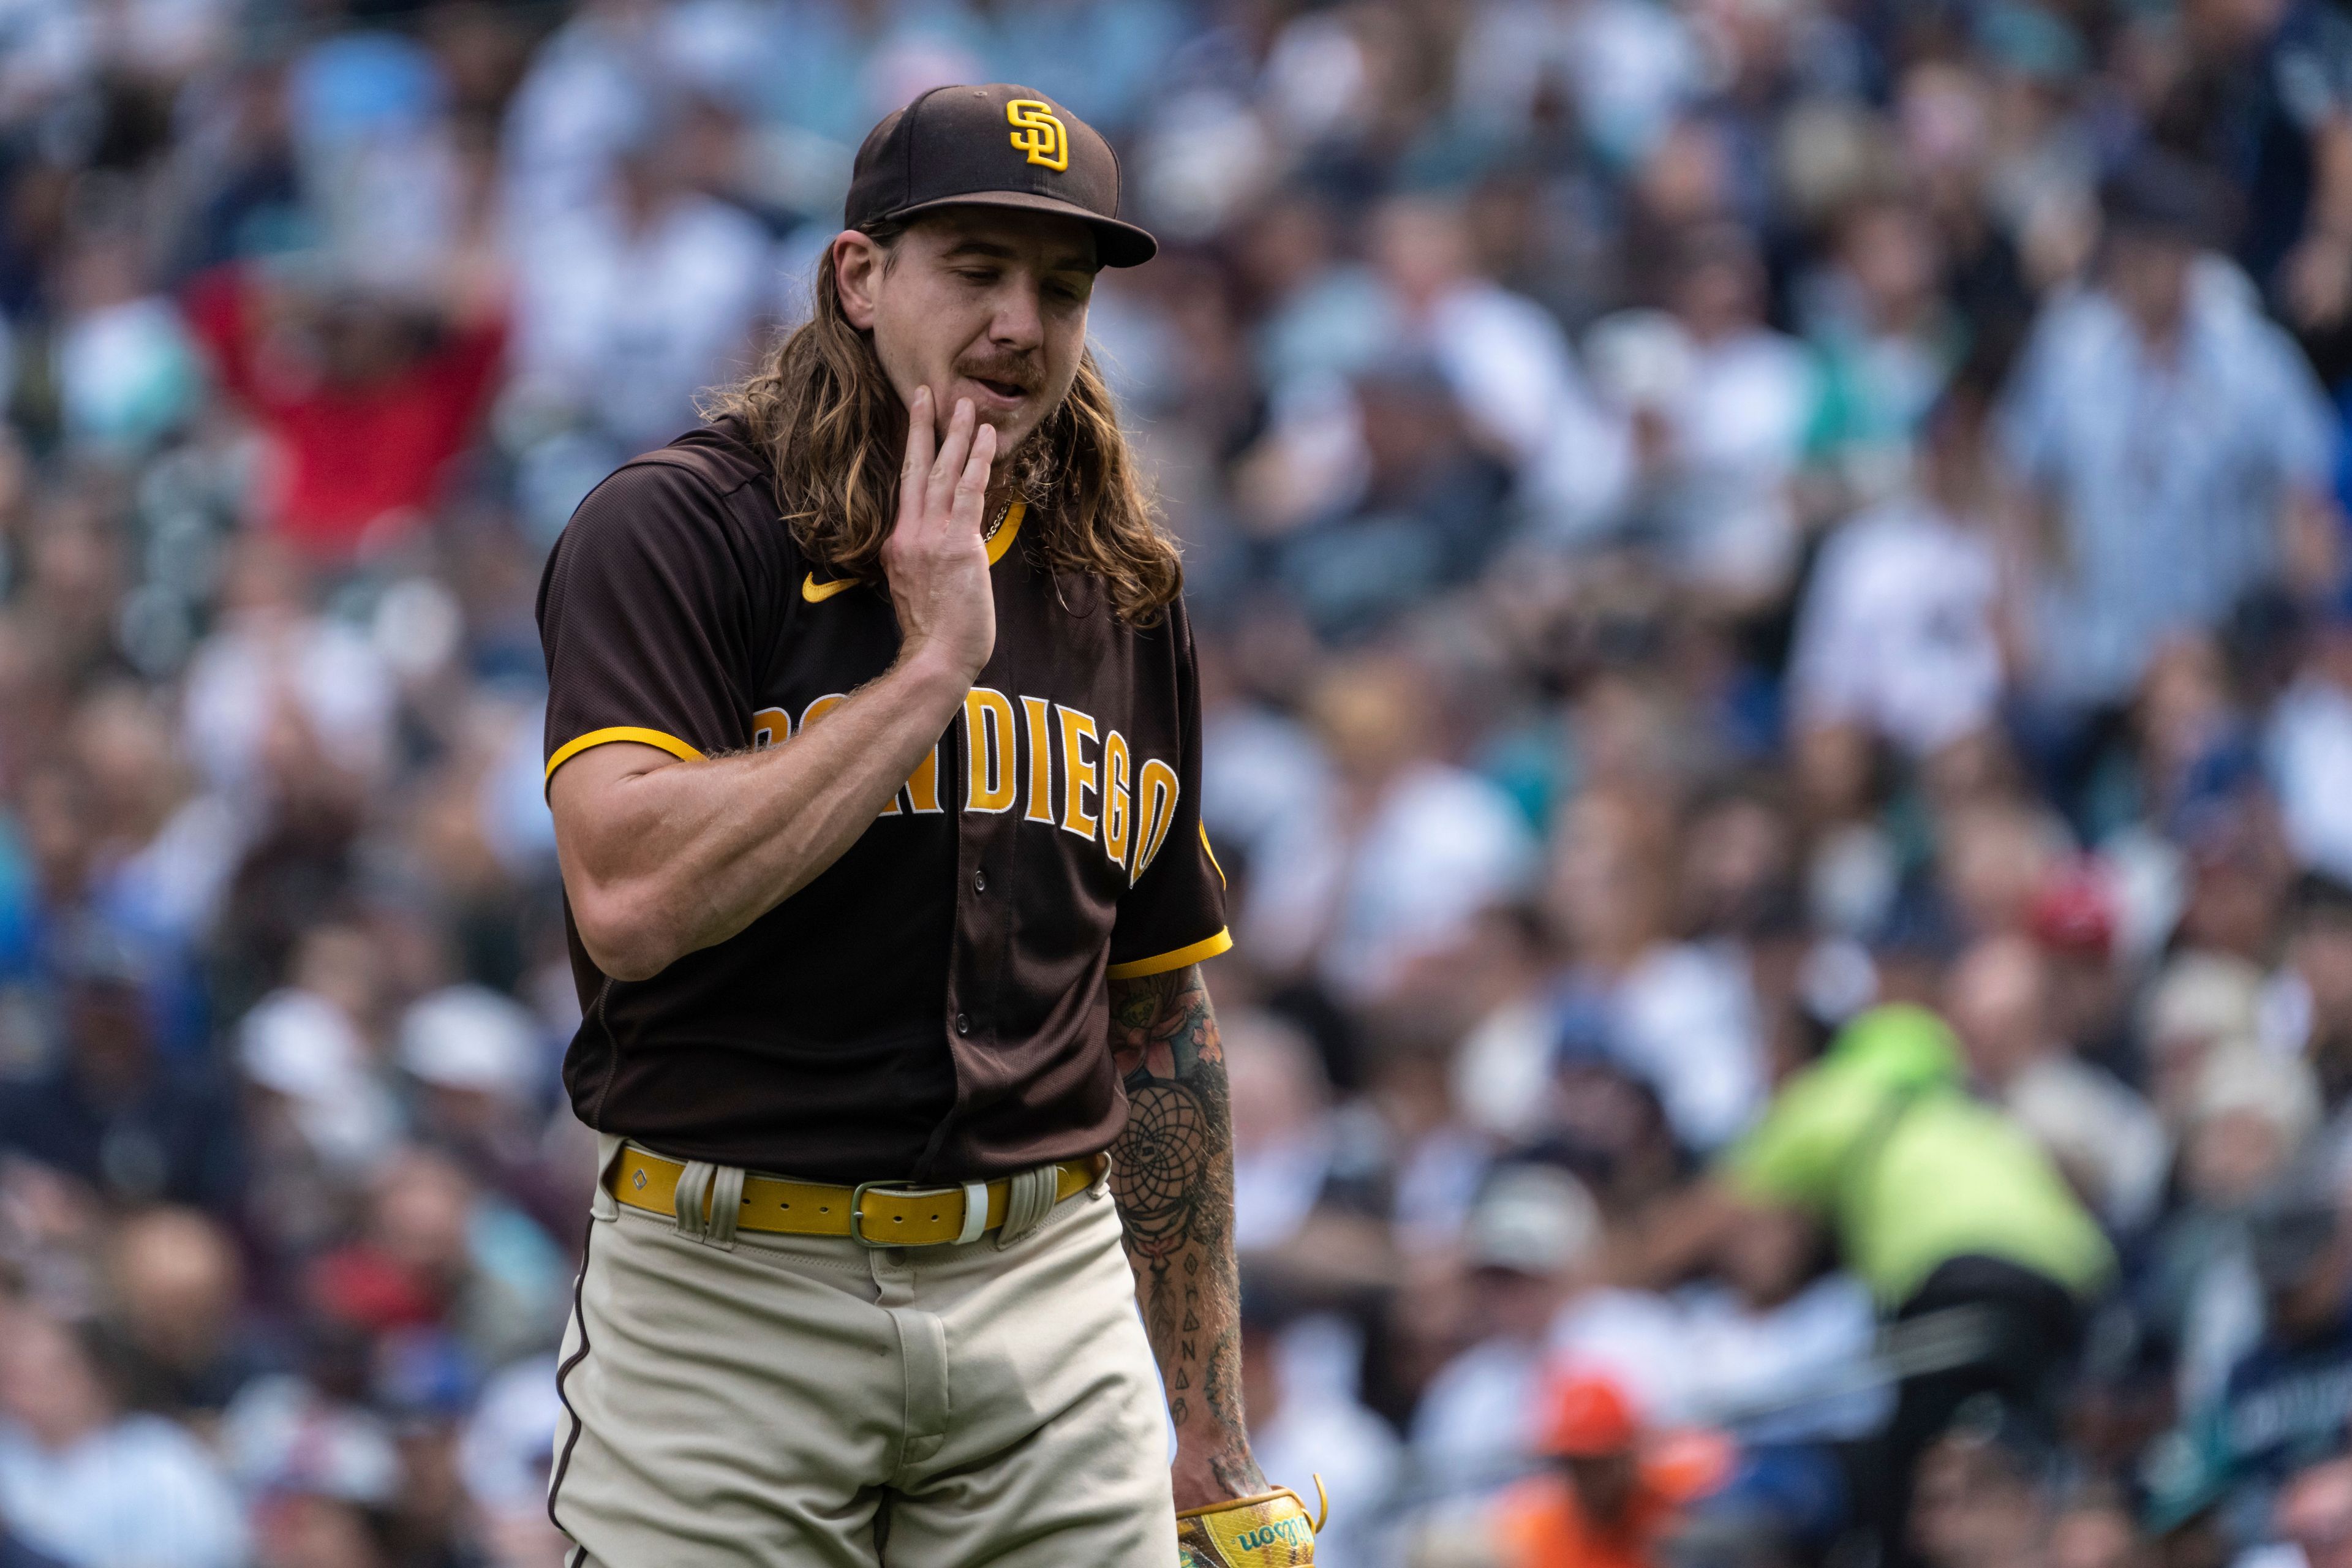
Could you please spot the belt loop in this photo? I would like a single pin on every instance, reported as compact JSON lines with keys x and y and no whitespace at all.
{"x":975,"y":1213}
{"x":603,"y":1205}
{"x":1028,"y":1199}
{"x":693,"y":1191}
{"x":726,"y":1206}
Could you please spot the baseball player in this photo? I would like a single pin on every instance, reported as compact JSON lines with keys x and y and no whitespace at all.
{"x":873,"y":742}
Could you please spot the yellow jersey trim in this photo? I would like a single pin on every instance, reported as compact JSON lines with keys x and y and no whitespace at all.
{"x":1211,"y":854}
{"x":671,"y":743}
{"x":817,"y":593}
{"x":1142,"y":968}
{"x":1011,"y":526}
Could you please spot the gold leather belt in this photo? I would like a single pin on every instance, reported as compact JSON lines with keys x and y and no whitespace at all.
{"x":873,"y":1214}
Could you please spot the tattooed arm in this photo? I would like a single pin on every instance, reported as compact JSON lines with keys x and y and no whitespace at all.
{"x":1173,"y":1173}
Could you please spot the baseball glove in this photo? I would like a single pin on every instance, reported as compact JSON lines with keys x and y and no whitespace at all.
{"x":1268,"y":1530}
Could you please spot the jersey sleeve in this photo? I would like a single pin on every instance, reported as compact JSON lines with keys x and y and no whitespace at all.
{"x":1174,"y":913}
{"x":644,"y":620}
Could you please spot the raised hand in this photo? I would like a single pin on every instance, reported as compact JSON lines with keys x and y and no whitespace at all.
{"x":935,"y":558}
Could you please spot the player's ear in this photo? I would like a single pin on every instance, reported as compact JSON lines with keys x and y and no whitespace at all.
{"x":856,"y":262}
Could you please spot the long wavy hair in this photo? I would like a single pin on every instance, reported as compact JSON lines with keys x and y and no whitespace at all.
{"x":835,"y":431}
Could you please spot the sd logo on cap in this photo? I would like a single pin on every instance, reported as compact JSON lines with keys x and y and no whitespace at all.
{"x":1037,"y":132}
{"x":999,"y":145}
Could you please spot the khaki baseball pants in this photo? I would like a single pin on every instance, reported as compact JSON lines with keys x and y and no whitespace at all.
{"x":805,"y":1402}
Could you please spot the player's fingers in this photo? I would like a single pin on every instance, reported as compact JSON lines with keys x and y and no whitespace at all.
{"x":957,"y":444}
{"x":919,"y":435}
{"x":971,"y":485}
{"x":949,"y":464}
{"x":914,"y":479}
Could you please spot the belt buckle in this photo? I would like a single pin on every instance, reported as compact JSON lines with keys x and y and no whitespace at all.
{"x":857,"y":1216}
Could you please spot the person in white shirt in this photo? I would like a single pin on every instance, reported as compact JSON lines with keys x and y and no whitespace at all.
{"x":1391,"y":876}
{"x":1306,"y":1421}
{"x":92,"y":1486}
{"x":631,"y":305}
{"x":1717,"y":405}
{"x":1900,"y":634}
{"x":1530,"y":1242}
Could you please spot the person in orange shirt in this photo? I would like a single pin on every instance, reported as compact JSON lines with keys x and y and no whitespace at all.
{"x":1614,"y":1491}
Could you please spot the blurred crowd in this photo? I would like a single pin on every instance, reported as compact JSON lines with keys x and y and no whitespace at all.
{"x":1773,"y":602}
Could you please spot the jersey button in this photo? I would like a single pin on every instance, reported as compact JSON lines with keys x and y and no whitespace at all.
{"x":980,"y":881}
{"x":963,"y":1023}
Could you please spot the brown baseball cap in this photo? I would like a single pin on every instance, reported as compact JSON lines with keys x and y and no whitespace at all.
{"x":993,"y":146}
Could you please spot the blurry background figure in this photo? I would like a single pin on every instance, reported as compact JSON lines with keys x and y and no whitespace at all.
{"x":1300,"y":1373}
{"x":2278,"y":1409}
{"x":502,"y":1461}
{"x":2102,"y":1136}
{"x":1532,"y":1229}
{"x":175,"y":1286}
{"x":115,"y":1112}
{"x":1529,"y":1235}
{"x":1408,"y":849}
{"x":1977,"y":1497}
{"x":1612,"y":1491}
{"x":2176,"y":438}
{"x":630,"y":306}
{"x":1716,"y":403}
{"x":91,"y":1485}
{"x":2315,"y":1513}
{"x":1904,"y":624}
{"x":1961,"y":1226}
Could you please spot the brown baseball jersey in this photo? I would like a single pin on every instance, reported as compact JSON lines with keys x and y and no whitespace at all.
{"x":932,"y":1006}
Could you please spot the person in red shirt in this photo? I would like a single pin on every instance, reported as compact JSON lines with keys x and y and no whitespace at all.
{"x":364,"y":401}
{"x":1614,"y":1491}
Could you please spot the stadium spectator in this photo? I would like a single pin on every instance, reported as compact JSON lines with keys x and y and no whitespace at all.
{"x":1945,"y":1207}
{"x":2315,"y":1512}
{"x":92,"y":1486}
{"x":1614,"y":1491}
{"x":2178,"y":445}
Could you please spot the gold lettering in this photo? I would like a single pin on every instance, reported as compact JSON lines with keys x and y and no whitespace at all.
{"x":988,"y":746}
{"x":1041,"y":762}
{"x":1156,"y":789}
{"x":1116,"y":813}
{"x":1078,"y":775}
{"x":771,"y":727}
{"x":923,"y":787}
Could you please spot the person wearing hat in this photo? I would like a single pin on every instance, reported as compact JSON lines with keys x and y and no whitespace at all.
{"x":873,"y":745}
{"x":1528,"y":1245}
{"x":2286,"y":1400}
{"x":1614,"y":1490}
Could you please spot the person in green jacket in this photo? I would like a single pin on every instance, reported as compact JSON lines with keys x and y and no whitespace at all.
{"x":1941,"y":1202}
{"x":1882,"y":1141}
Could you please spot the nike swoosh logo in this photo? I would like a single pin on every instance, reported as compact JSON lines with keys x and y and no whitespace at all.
{"x":817,"y":593}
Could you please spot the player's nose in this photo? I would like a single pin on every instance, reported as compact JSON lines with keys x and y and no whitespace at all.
{"x":1020,"y":319}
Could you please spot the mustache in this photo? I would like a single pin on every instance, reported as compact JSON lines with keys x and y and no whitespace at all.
{"x":1016,"y":370}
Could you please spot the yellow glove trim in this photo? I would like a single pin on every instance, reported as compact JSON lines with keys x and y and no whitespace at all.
{"x":1322,"y":1499}
{"x":1237,"y":1540}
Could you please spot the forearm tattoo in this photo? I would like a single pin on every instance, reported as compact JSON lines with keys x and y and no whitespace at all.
{"x":1173,"y":1173}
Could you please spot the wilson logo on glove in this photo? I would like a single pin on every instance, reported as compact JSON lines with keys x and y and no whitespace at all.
{"x":1269,"y":1530}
